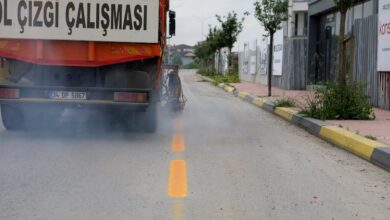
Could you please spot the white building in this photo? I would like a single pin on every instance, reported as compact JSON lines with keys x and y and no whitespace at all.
{"x":253,"y":59}
{"x":298,"y":20}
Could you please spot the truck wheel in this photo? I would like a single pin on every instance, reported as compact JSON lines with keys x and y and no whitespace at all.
{"x":13,"y":118}
{"x":150,"y":119}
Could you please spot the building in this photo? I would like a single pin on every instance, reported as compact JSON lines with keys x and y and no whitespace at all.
{"x":188,"y":57}
{"x":183,"y":48}
{"x":306,"y":50}
{"x":185,"y":52}
{"x":298,"y":20}
{"x":324,"y":29}
{"x":367,"y":46}
{"x":290,"y":50}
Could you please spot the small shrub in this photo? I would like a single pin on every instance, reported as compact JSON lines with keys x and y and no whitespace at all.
{"x":371,"y":137}
{"x":229,"y":78}
{"x":285,"y":102}
{"x":330,"y":103}
{"x":192,"y":65}
{"x":219,"y":78}
{"x":205,"y":72}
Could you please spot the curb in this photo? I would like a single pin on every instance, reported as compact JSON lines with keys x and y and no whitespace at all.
{"x":205,"y":78}
{"x":372,"y":151}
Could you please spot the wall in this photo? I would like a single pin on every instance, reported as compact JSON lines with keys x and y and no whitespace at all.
{"x":254,"y":49}
{"x":296,"y":6}
{"x":320,"y":6}
{"x":366,"y":39}
{"x":221,"y":61}
{"x":324,"y":22}
{"x":294,"y":65}
{"x":293,"y":71}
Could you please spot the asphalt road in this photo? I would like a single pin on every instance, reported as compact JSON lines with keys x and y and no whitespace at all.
{"x":220,"y":159}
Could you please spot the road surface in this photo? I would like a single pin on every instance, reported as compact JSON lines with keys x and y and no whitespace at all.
{"x":220,"y":159}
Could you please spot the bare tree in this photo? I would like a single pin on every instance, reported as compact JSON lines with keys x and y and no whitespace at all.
{"x":231,"y":27}
{"x":271,"y":13}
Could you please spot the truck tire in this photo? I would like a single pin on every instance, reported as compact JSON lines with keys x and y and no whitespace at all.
{"x":150,"y":119}
{"x":13,"y":118}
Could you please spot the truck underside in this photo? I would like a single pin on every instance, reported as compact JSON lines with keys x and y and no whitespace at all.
{"x":40,"y":93}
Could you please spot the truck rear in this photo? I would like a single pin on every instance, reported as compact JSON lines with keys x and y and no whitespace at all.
{"x":79,"y":54}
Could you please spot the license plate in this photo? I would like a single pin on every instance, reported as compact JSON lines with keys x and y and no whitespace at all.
{"x":67,"y":95}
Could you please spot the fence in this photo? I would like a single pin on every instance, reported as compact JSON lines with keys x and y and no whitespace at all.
{"x":221,"y":64}
{"x":253,"y":65}
{"x":366,"y":44}
{"x":294,"y":65}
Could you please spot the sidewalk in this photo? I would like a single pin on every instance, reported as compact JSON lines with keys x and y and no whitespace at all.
{"x":378,"y":128}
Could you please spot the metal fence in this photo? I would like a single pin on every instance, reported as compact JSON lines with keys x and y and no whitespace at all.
{"x":222,"y":61}
{"x":366,"y":46}
{"x":366,"y":39}
{"x":294,"y":65}
{"x":253,"y":65}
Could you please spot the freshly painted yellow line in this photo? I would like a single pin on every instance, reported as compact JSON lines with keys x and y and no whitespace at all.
{"x":258,"y":102}
{"x":178,"y":143}
{"x":286,"y":113}
{"x":177,"y":186}
{"x":178,"y":125}
{"x":357,"y":144}
{"x":242,"y":95}
{"x":178,"y":210}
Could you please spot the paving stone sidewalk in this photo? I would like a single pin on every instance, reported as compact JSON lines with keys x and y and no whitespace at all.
{"x":378,"y":128}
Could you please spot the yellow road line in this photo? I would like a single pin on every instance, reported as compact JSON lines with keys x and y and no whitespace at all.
{"x":178,"y":210}
{"x":177,"y":186}
{"x":178,"y":125}
{"x":178,"y":143}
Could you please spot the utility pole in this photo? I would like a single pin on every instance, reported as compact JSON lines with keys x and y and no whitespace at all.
{"x":202,"y":21}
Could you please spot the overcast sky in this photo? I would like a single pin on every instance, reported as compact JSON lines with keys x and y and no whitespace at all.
{"x":191,"y":13}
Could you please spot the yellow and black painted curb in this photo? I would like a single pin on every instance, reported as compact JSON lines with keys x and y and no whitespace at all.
{"x":205,"y":78}
{"x":228,"y":88}
{"x":365,"y":148}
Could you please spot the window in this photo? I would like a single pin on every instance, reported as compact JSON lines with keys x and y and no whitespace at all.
{"x":358,"y":11}
{"x":349,"y":22}
{"x":300,"y":24}
{"x":368,"y":8}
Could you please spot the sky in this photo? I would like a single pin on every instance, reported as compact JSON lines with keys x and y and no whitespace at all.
{"x":191,"y":14}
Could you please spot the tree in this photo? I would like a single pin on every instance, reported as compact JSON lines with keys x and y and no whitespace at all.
{"x":177,"y":60}
{"x":231,"y":27}
{"x":205,"y":50}
{"x":271,"y":13}
{"x":343,"y":6}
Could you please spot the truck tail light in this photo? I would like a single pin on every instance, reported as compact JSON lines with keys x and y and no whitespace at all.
{"x":9,"y":93}
{"x":130,"y":97}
